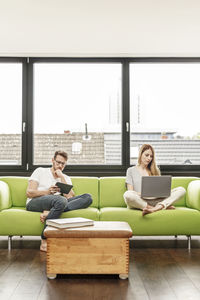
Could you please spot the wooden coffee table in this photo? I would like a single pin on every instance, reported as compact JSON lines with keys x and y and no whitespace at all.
{"x":99,"y":249}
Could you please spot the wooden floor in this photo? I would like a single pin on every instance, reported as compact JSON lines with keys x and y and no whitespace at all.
{"x":160,"y":268}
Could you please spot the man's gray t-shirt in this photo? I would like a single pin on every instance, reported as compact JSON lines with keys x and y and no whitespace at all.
{"x":134,"y":178}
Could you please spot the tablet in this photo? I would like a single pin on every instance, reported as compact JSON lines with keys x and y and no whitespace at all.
{"x":64,"y":188}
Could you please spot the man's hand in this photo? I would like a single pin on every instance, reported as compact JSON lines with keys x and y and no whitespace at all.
{"x":59,"y":173}
{"x":32,"y":190}
{"x":53,"y":189}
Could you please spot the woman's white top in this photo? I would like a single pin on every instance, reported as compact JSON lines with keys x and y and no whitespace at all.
{"x":134,"y":178}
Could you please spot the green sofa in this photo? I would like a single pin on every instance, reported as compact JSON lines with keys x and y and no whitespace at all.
{"x":108,"y":205}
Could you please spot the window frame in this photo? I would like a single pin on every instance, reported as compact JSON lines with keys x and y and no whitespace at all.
{"x":27,"y":166}
{"x":21,"y":167}
{"x":174,"y":170}
{"x":81,"y":169}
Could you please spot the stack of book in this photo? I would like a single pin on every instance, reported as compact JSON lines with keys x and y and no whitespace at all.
{"x":69,"y":222}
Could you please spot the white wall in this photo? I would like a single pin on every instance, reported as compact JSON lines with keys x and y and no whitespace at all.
{"x":99,"y":28}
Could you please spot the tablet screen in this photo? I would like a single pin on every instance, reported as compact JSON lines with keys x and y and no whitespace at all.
{"x":64,"y":188}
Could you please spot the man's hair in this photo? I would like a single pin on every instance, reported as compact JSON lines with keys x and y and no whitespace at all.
{"x":61,"y":153}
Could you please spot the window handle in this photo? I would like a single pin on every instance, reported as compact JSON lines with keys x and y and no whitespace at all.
{"x":23,"y":126}
{"x":127,"y":126}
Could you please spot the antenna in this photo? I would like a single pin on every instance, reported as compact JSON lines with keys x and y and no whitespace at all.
{"x":86,"y":137}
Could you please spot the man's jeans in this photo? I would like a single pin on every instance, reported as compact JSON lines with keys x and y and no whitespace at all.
{"x":56,"y":204}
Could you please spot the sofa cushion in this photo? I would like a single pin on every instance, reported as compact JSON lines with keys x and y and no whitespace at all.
{"x":17,"y":187}
{"x":193,"y":194}
{"x":5,"y":199}
{"x":111,"y":191}
{"x":82,"y":185}
{"x":182,"y":181}
{"x":19,"y":221}
{"x":179,"y":221}
{"x":89,"y":213}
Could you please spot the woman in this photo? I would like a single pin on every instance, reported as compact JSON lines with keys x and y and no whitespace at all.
{"x":147,"y":167}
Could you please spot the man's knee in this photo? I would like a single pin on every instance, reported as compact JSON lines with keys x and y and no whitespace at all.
{"x":88,"y":199}
{"x":60,"y":202}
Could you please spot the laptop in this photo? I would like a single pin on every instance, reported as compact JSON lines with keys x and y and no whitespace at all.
{"x":156,"y":186}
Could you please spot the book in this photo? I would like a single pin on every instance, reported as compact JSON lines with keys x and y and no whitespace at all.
{"x":64,"y":188}
{"x":69,"y":222}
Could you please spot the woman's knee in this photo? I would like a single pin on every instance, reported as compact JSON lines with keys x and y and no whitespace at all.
{"x":128,"y":195}
{"x":182,"y":190}
{"x":128,"y":198}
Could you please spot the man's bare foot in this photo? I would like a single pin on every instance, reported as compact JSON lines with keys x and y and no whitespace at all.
{"x":43,"y":215}
{"x":171,"y":207}
{"x":43,"y":246}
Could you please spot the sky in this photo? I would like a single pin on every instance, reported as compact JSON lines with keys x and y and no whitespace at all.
{"x":168,"y":97}
{"x":162,"y":97}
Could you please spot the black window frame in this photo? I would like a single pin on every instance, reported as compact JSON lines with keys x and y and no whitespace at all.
{"x":83,"y":169}
{"x":174,"y":170}
{"x":22,"y":167}
{"x":27,"y":166}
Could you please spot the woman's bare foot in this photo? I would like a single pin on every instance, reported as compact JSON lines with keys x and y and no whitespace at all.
{"x":171,"y":207}
{"x":43,"y":215}
{"x":148,"y":210}
{"x":43,"y":246}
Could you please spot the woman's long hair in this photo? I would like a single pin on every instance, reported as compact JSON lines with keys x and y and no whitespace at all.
{"x":152,"y":167}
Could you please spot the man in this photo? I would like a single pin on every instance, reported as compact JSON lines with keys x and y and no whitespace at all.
{"x":43,"y":194}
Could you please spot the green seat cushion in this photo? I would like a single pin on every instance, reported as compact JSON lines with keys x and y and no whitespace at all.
{"x":89,"y":213}
{"x":19,"y":221}
{"x":180,"y":221}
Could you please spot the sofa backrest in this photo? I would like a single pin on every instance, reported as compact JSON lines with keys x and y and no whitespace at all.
{"x":112,"y":189}
{"x":105,"y":191}
{"x":81,"y":185}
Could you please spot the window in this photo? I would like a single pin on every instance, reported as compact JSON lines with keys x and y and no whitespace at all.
{"x":77,"y":108}
{"x":164,"y":111}
{"x":100,"y":111}
{"x":11,"y":113}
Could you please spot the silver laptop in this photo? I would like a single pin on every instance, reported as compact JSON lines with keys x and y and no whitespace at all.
{"x":156,"y":186}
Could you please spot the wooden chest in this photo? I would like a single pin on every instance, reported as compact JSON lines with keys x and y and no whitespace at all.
{"x":99,"y":249}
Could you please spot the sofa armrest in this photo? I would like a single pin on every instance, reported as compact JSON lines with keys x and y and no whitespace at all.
{"x":193,"y":194}
{"x":5,"y":200}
